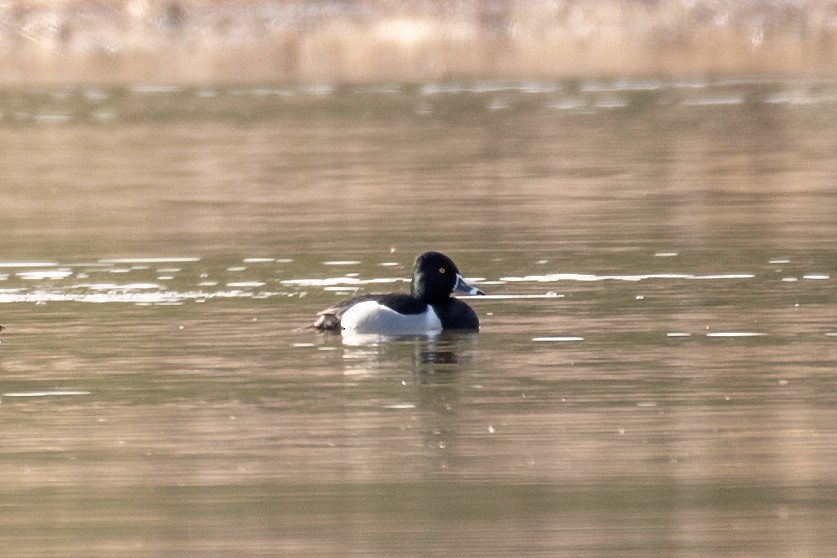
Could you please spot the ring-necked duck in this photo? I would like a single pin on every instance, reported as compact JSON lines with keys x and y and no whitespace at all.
{"x":429,"y":308}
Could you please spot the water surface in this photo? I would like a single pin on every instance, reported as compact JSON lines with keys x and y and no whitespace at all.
{"x":655,"y":372}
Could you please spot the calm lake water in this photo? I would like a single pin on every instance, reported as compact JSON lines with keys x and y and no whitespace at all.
{"x":656,"y":372}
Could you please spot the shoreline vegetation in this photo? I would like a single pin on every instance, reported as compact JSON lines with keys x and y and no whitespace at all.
{"x":315,"y":41}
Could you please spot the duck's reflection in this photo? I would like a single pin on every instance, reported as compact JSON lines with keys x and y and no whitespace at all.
{"x":413,"y":389}
{"x":439,"y":357}
{"x":444,"y":353}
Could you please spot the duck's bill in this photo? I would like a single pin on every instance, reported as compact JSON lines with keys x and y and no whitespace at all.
{"x":464,"y":287}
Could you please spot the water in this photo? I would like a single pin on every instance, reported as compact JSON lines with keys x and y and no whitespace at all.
{"x":655,"y":373}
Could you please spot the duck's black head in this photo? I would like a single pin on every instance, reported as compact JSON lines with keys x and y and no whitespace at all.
{"x":435,"y":277}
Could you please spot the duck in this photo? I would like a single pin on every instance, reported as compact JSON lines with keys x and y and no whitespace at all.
{"x":427,"y":309}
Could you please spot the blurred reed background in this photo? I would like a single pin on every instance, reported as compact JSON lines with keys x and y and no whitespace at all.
{"x":216,"y":41}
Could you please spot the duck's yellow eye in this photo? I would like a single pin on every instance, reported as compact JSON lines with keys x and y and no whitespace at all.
{"x":442,"y":270}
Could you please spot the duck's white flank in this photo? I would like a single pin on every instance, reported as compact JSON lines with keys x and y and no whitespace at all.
{"x":374,"y":318}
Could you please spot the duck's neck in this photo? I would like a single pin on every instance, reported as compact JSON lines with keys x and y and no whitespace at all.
{"x":421,"y":291}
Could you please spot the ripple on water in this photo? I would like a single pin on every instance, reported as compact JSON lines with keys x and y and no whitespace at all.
{"x":149,"y":260}
{"x":44,"y":274}
{"x":51,"y":393}
{"x":127,"y":282}
{"x":554,"y":277}
{"x":735,"y":334}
